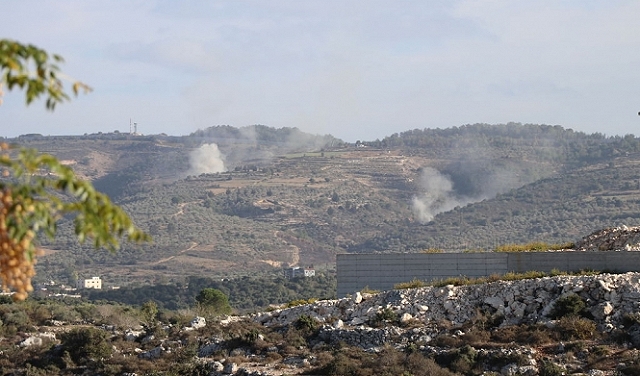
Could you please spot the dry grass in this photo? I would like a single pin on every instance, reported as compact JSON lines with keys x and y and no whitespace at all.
{"x":533,"y":247}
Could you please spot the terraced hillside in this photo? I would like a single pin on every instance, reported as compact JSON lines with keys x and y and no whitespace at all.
{"x":262,"y":198}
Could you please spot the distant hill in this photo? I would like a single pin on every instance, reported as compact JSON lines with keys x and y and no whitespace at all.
{"x":227,"y":202}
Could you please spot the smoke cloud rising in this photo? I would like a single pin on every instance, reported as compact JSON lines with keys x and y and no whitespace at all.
{"x":207,"y":159}
{"x":438,"y":195}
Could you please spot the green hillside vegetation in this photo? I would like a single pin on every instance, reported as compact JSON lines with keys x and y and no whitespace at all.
{"x":554,"y":210}
{"x":290,"y":198}
{"x":245,"y":294}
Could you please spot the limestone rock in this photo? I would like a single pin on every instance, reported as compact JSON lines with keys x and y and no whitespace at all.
{"x":154,"y":353}
{"x":132,"y":335}
{"x":31,"y":341}
{"x":230,"y":368}
{"x":602,"y":310}
{"x":405,"y":318}
{"x":198,"y":322}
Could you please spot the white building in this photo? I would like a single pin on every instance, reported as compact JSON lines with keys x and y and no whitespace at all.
{"x":92,"y":283}
{"x":297,"y":271}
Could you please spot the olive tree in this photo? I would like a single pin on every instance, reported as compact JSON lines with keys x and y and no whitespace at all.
{"x":213,"y":301}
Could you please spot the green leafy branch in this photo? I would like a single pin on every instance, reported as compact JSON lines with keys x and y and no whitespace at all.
{"x":31,"y":68}
{"x":43,"y":190}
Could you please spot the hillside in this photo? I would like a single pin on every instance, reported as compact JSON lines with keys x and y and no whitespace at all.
{"x":229,"y":202}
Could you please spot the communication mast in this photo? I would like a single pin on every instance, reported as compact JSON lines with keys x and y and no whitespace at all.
{"x":133,"y":128}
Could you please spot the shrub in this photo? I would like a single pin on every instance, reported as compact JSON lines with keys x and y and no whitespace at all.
{"x":530,"y":274}
{"x":416,"y":283}
{"x":630,"y":370}
{"x":39,"y":314}
{"x":574,"y":327}
{"x":630,"y":319}
{"x":464,"y":359}
{"x":273,"y":357}
{"x":568,"y":305}
{"x":536,"y":336}
{"x":445,"y":340}
{"x":16,"y":320}
{"x":86,"y":344}
{"x":339,"y":366}
{"x":367,"y":290}
{"x":299,"y":302}
{"x":88,"y":312}
{"x":419,"y":365}
{"x":533,"y":247}
{"x":63,"y":313}
{"x":306,"y":323}
{"x":548,"y":368}
{"x":384,"y":316}
{"x":476,"y":336}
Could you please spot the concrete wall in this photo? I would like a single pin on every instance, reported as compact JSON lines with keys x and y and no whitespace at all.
{"x":383,"y":271}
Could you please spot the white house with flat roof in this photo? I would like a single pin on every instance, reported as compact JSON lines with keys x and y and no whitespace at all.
{"x":91,"y":283}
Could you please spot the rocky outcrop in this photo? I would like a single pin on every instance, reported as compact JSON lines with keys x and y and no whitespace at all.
{"x":615,"y":238}
{"x":607,"y":297}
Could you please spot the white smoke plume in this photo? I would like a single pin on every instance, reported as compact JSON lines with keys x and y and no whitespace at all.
{"x":207,"y":159}
{"x":437,"y":195}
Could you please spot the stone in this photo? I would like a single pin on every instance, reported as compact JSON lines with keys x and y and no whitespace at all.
{"x":148,"y":339}
{"x":31,"y":341}
{"x":296,"y":361}
{"x":494,"y":302}
{"x":208,"y":350}
{"x":132,"y":335}
{"x":216,"y":366}
{"x":154,"y":353}
{"x":604,"y":286}
{"x":602,"y":310}
{"x":198,"y":322}
{"x":230,"y":368}
{"x":405,"y":318}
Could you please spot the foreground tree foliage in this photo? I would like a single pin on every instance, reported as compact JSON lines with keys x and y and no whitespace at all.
{"x":36,"y":189}
{"x":28,"y":67}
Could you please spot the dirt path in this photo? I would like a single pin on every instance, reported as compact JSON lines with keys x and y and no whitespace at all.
{"x":295,"y":251}
{"x":181,"y":207}
{"x":193,"y":245}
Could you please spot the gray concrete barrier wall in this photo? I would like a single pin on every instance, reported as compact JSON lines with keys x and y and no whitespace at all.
{"x":383,"y":271}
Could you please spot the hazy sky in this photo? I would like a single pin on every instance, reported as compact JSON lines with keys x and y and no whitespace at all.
{"x":355,"y":69}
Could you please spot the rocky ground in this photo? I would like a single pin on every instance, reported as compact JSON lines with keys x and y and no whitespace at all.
{"x":587,"y":324}
{"x":566,"y":324}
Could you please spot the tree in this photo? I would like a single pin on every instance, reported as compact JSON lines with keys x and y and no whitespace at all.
{"x":86,"y":345}
{"x":36,"y":190}
{"x":149,"y":312}
{"x":32,"y":68}
{"x":213,"y":301}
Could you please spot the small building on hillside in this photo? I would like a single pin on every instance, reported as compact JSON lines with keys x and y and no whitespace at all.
{"x":298,"y":271}
{"x":91,"y":283}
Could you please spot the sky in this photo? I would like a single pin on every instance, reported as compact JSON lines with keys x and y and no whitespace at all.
{"x":358,"y":70}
